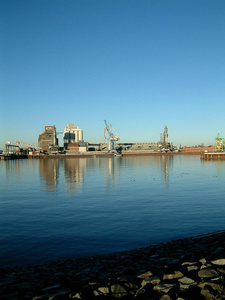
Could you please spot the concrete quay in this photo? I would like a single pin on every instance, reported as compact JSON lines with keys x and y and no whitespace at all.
{"x":95,"y":154}
{"x":213,"y":156}
{"x":189,"y":268}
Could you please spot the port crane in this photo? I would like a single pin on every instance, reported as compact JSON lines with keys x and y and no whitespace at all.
{"x":113,"y":136}
{"x":28,"y":145}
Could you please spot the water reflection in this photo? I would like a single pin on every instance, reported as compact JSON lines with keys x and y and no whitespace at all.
{"x":74,"y":170}
{"x":151,"y":163}
{"x":49,"y":173}
{"x":128,"y":195}
{"x":12,"y":166}
{"x":74,"y":174}
{"x":166,"y":162}
{"x":111,"y":171}
{"x":219,"y":164}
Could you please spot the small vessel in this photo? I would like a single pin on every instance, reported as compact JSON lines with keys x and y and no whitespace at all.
{"x":117,"y":154}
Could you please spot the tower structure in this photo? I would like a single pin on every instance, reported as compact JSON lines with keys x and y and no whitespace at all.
{"x":165,"y":136}
{"x":72,"y":134}
{"x":48,"y":138}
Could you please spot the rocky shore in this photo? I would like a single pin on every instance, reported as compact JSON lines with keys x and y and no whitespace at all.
{"x":191,"y":268}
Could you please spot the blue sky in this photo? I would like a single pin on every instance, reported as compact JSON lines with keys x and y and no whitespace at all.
{"x":139,"y":64}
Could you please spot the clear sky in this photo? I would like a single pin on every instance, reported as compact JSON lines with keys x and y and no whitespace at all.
{"x":139,"y":64}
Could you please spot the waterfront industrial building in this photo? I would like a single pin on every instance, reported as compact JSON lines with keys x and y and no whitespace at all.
{"x":48,"y":139}
{"x":74,"y":145}
{"x":72,"y":134}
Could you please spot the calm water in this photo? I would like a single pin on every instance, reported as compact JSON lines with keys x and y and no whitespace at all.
{"x":58,"y":209}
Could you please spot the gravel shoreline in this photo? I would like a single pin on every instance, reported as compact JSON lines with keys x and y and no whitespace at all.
{"x":190,"y":268}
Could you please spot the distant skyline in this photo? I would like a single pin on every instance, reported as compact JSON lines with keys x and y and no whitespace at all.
{"x":139,"y":64}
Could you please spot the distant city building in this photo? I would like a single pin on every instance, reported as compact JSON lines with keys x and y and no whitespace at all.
{"x":48,"y":138}
{"x":72,"y":135}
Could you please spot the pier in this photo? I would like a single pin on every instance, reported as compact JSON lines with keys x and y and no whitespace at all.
{"x":213,"y":156}
{"x":12,"y":156}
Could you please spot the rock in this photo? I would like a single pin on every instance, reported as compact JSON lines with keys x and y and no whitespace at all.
{"x":215,"y":286}
{"x":222,"y":271}
{"x":118,"y":291}
{"x":101,"y":291}
{"x":165,"y":297}
{"x":176,"y":274}
{"x":154,"y":280}
{"x":192,"y":293}
{"x":145,"y":275}
{"x":203,"y":267}
{"x":169,"y":261}
{"x":60,"y":295}
{"x":165,"y":288}
{"x":203,"y":261}
{"x":145,"y":281}
{"x":131,"y":287}
{"x":178,"y":271}
{"x":186,"y":282}
{"x":192,"y":268}
{"x":140,"y":291}
{"x":207,"y":273}
{"x":186,"y":263}
{"x":121,"y":290}
{"x":76,"y":296}
{"x":210,"y":294}
{"x":220,"y":262}
{"x":219,"y":251}
{"x":172,"y":263}
{"x":51,"y":288}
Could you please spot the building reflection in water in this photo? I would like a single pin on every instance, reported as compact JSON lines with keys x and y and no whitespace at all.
{"x":74,"y":169}
{"x":74,"y":174}
{"x":219,"y":165}
{"x":21,"y":168}
{"x":12,"y":166}
{"x":111,"y":171}
{"x":103,"y":165}
{"x":154,"y":163}
{"x":166,"y":161}
{"x":49,"y":173}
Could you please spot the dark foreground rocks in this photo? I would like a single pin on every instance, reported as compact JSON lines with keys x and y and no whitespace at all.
{"x":191,"y":268}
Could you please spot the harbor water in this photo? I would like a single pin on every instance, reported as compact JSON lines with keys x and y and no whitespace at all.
{"x":55,"y":209}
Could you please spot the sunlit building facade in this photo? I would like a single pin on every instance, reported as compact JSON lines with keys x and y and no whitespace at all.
{"x":48,"y":138}
{"x":72,"y":134}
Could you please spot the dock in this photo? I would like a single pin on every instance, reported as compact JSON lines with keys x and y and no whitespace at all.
{"x":213,"y":156}
{"x":12,"y":156}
